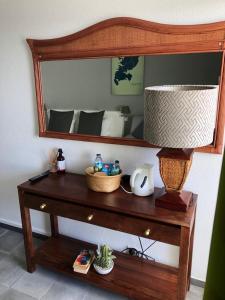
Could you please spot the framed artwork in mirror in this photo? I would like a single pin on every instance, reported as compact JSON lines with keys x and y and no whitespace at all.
{"x":128,"y":75}
{"x":82,"y":80}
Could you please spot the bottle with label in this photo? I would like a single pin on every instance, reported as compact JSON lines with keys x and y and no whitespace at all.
{"x":61,"y":163}
{"x":116,"y":168}
{"x":98,"y":163}
{"x":107,"y":168}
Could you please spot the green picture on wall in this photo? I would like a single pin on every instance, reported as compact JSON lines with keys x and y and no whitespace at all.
{"x":128,"y":75}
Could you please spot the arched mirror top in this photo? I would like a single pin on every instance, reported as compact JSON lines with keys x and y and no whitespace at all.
{"x":129,"y":37}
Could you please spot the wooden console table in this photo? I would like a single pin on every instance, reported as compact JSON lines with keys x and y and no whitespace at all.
{"x":67,"y":196}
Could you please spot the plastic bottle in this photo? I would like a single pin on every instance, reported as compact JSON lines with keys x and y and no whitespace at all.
{"x":106,"y":168}
{"x":116,"y":168}
{"x":61,"y":163}
{"x":98,"y":163}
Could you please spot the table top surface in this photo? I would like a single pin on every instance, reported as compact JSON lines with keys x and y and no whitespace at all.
{"x":72,"y":188}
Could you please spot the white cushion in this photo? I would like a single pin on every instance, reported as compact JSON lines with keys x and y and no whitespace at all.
{"x":113,"y":124}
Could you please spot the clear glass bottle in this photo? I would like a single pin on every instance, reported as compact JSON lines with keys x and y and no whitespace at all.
{"x":61,"y":163}
{"x":98,"y":163}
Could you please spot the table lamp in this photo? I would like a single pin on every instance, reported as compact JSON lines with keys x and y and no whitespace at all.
{"x":178,"y":118}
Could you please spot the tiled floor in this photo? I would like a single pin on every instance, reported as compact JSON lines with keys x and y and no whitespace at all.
{"x":17,"y":284}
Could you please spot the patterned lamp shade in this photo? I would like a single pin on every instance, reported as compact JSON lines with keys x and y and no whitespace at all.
{"x":180,"y":116}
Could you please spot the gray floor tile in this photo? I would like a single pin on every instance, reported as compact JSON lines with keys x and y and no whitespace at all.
{"x":14,"y":295}
{"x":9,"y":241}
{"x":195,"y":293}
{"x":10,"y":270}
{"x":20,"y":262}
{"x":20,"y":252}
{"x":3,"y":289}
{"x":48,"y":273}
{"x":18,"y":255}
{"x":99,"y":294}
{"x":2,"y":231}
{"x":65,"y":291}
{"x":3,"y":255}
{"x":36,"y":284}
{"x":73,"y":282}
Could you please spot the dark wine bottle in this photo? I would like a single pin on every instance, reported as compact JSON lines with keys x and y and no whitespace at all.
{"x":61,"y":163}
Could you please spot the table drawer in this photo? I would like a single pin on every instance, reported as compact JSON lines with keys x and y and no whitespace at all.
{"x":137,"y":226}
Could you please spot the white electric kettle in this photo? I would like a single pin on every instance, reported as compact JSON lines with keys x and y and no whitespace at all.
{"x":141,"y":181}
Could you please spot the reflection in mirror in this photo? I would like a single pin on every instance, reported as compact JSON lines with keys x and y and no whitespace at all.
{"x":104,"y":96}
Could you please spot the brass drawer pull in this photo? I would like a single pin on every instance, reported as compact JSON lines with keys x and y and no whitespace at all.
{"x":42,"y":206}
{"x":90,"y":217}
{"x":147,"y":232}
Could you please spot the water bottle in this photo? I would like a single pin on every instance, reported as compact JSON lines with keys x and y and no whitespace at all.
{"x":116,"y":168}
{"x":98,"y":163}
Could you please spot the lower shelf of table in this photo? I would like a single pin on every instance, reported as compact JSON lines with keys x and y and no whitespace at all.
{"x":133,"y":277}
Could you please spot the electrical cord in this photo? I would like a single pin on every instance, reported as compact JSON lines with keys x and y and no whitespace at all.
{"x":125,"y":190}
{"x":142,"y":253}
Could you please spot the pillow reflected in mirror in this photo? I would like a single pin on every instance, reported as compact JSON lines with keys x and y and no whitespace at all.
{"x":60,"y":121}
{"x":90,"y":123}
{"x":113,"y":124}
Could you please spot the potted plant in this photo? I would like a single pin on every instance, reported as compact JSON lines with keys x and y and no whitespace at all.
{"x":103,"y":263}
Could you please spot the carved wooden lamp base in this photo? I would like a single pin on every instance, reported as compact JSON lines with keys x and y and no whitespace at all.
{"x":174,"y":168}
{"x":179,"y":201}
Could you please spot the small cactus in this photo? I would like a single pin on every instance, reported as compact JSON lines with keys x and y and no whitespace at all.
{"x":104,"y":258}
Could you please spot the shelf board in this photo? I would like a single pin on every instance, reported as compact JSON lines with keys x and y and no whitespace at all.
{"x":133,"y":277}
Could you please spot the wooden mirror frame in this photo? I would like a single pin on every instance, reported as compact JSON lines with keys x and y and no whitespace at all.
{"x":127,"y":37}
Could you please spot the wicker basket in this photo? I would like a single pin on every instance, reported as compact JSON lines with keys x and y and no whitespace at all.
{"x":99,"y":182}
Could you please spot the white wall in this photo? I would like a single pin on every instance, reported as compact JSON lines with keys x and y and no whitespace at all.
{"x":24,"y":154}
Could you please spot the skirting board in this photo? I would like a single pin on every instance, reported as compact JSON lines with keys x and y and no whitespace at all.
{"x":38,"y":234}
{"x":198,"y":282}
{"x":17,"y":227}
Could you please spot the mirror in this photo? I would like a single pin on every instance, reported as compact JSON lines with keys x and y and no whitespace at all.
{"x":90,"y":84}
{"x":104,"y":96}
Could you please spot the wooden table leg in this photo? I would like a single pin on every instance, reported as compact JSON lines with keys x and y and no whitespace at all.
{"x":54,"y":225}
{"x":27,"y":234}
{"x":183,"y":263}
{"x":190,"y":255}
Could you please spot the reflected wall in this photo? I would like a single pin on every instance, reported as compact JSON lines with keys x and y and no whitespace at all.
{"x":86,"y":85}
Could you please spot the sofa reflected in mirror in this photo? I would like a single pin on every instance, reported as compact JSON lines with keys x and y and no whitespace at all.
{"x":98,"y":123}
{"x":79,"y":98}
